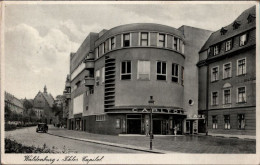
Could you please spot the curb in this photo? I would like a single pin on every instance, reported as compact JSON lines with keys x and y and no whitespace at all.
{"x":113,"y":144}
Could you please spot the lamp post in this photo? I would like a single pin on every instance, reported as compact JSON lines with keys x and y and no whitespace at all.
{"x":151,"y":103}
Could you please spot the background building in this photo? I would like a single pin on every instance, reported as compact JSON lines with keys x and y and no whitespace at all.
{"x":14,"y":104}
{"x":227,"y":77}
{"x":114,"y":73}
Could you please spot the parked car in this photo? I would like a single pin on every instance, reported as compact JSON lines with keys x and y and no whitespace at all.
{"x":42,"y":127}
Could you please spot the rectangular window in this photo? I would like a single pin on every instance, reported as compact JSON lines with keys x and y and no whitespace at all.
{"x":214,"y":74}
{"x":243,"y":40}
{"x":118,"y":123}
{"x":97,"y":52}
{"x":112,"y":43}
{"x":241,"y":95}
{"x":182,"y":75}
{"x":126,"y":40}
{"x":241,"y":121}
{"x":175,"y":43}
{"x":216,"y":50}
{"x":143,"y":72}
{"x":227,"y":96}
{"x":214,"y":98}
{"x":91,"y":90}
{"x":161,"y":40}
{"x":227,"y":71}
{"x":126,"y":70}
{"x":103,"y":75}
{"x":97,"y":77}
{"x":104,"y":48}
{"x":228,"y":45}
{"x":214,"y":122}
{"x":241,"y":67}
{"x":175,"y":73}
{"x":161,"y":70}
{"x":100,"y":117}
{"x":144,"y":39}
{"x":227,"y":121}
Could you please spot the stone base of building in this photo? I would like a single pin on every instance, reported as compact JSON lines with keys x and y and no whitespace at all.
{"x":115,"y":124}
{"x":235,"y":125}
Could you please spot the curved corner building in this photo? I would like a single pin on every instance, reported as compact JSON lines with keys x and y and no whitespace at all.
{"x":114,"y":73}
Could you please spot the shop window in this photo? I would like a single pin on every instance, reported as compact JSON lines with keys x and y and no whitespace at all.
{"x":175,"y":73}
{"x":100,"y":117}
{"x":227,"y":71}
{"x":243,"y":39}
{"x":214,"y":74}
{"x":118,"y":123}
{"x":214,"y":122}
{"x":161,"y":70}
{"x":126,"y":40}
{"x":241,"y":121}
{"x":161,"y":41}
{"x":144,"y":39}
{"x":241,"y":66}
{"x":126,"y":70}
{"x":227,"y":121}
{"x":241,"y":95}
{"x":143,"y":70}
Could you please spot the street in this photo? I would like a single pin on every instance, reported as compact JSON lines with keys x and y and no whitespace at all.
{"x":59,"y":139}
{"x":28,"y":136}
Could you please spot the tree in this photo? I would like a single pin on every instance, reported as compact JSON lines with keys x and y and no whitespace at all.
{"x":27,"y":105}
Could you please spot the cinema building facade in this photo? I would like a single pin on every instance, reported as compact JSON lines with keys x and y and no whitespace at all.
{"x":114,"y":73}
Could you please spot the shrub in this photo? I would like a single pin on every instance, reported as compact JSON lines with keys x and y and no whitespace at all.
{"x":9,"y":127}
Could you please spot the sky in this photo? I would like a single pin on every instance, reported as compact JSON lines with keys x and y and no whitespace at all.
{"x":39,"y":37}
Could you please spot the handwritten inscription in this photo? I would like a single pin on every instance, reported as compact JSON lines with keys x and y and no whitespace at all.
{"x":51,"y":160}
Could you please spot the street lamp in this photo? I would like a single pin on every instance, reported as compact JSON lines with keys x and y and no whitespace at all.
{"x":151,"y":103}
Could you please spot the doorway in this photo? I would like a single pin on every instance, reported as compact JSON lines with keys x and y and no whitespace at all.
{"x":189,"y":127}
{"x":134,"y":126}
{"x":157,"y":126}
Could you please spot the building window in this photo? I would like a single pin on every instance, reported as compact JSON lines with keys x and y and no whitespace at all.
{"x":78,"y":84}
{"x":214,"y":98}
{"x":214,"y":74}
{"x":227,"y":96}
{"x":241,"y":121}
{"x":241,"y":95}
{"x":182,"y":75}
{"x":91,"y":90}
{"x":227,"y":121}
{"x":97,"y":52}
{"x":216,"y":50}
{"x":227,"y":71}
{"x":143,"y":70}
{"x":161,"y":70}
{"x":175,"y":73}
{"x":97,"y":77}
{"x":209,"y":51}
{"x":228,"y":45}
{"x":241,"y":66}
{"x":126,"y":40}
{"x":100,"y":117}
{"x":103,"y":75}
{"x":118,"y":123}
{"x":161,"y":41}
{"x":175,"y":43}
{"x":104,"y":48}
{"x":112,"y":43}
{"x":214,"y":122}
{"x":144,"y":39}
{"x":243,"y":39}
{"x":126,"y":70}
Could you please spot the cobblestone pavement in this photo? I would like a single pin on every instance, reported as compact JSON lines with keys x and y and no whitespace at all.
{"x":29,"y":137}
{"x":180,"y":144}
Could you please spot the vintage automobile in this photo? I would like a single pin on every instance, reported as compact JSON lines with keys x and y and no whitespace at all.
{"x":42,"y":127}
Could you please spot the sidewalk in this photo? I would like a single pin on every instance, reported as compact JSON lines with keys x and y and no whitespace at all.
{"x":234,"y":136}
{"x":164,"y":144}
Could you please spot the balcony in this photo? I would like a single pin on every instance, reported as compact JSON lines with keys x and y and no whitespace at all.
{"x":89,"y":64}
{"x":89,"y":81}
{"x":90,"y":56}
{"x":67,"y":84}
{"x":67,"y":94}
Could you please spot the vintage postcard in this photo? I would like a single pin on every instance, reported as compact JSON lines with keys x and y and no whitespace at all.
{"x":129,"y":82}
